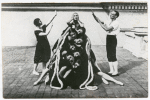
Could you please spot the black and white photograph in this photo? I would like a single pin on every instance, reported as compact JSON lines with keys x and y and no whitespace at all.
{"x":74,"y":50}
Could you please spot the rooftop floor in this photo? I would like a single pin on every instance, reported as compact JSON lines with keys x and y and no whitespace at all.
{"x":18,"y":78}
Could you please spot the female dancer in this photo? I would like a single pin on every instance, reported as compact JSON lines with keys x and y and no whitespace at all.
{"x":42,"y":52}
{"x":73,"y":63}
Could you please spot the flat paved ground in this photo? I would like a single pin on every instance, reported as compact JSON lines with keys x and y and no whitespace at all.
{"x":18,"y":78}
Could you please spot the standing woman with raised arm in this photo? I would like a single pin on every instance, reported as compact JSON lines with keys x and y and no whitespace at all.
{"x":42,"y":52}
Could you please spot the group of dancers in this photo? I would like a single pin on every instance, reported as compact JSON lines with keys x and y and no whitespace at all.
{"x":73,"y":62}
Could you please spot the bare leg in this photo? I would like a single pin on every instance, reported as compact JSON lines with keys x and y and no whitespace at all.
{"x":67,"y":73}
{"x":111,"y":67}
{"x":47,"y":79}
{"x":44,"y":72}
{"x":115,"y":65}
{"x":35,"y":68}
{"x":107,"y":77}
{"x":105,"y":81}
{"x":44,"y":65}
{"x":62,"y":71}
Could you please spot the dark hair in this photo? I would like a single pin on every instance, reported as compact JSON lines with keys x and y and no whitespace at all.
{"x":117,"y":13}
{"x":36,"y":21}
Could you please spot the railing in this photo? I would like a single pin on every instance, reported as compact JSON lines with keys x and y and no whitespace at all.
{"x":99,"y":6}
{"x":139,"y":6}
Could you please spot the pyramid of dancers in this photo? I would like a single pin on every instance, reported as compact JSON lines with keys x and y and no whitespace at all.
{"x":71,"y":51}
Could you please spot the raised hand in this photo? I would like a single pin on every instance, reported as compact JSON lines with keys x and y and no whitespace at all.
{"x":92,"y":11}
{"x":55,"y":13}
{"x":52,"y":18}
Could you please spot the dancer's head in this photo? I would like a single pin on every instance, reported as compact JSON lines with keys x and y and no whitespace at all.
{"x":81,"y":31}
{"x":75,"y":16}
{"x":114,"y":14}
{"x":72,"y":47}
{"x":70,"y":38}
{"x":73,"y":34}
{"x":64,"y":53}
{"x":76,"y":54}
{"x":78,"y":41}
{"x":37,"y":22}
{"x":70,"y":58}
{"x":77,"y":64}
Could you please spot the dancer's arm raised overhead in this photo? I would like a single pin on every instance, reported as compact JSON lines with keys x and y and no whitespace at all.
{"x":96,"y":18}
{"x":47,"y":32}
{"x":52,"y":18}
{"x":104,"y":26}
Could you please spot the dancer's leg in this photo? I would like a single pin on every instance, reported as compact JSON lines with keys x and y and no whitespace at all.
{"x":35,"y":68}
{"x":44,"y":72}
{"x":104,"y":80}
{"x":95,"y":64}
{"x":111,"y":67}
{"x":67,"y":73}
{"x":107,"y":77}
{"x":47,"y":79}
{"x":44,"y":65}
{"x":115,"y":65}
{"x":62,"y":71}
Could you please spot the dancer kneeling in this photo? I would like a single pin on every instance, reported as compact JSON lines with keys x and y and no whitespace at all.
{"x":73,"y":62}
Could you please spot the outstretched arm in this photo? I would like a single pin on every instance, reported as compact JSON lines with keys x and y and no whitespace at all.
{"x":52,"y":18}
{"x":96,"y":18}
{"x":104,"y":26}
{"x":45,"y":33}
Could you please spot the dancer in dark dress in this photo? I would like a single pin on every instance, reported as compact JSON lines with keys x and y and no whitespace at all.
{"x":73,"y":62}
{"x":42,"y":52}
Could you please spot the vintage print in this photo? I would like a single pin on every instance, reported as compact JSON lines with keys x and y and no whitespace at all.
{"x":75,"y":50}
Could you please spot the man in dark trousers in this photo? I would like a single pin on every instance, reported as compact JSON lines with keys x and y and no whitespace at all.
{"x":112,"y":28}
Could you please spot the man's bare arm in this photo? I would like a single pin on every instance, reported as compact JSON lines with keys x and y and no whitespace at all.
{"x":96,"y":18}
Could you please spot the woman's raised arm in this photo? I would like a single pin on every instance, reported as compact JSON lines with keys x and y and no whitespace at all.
{"x":52,"y":18}
{"x":46,"y":33}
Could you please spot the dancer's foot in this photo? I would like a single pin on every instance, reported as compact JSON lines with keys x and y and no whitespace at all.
{"x":115,"y":74}
{"x":120,"y":83}
{"x":92,"y":87}
{"x":36,"y":83}
{"x":110,"y":72}
{"x":35,"y":73}
{"x":105,"y":81}
{"x":46,"y":79}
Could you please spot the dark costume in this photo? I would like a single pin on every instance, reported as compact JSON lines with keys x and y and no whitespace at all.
{"x":111,"y":43}
{"x":42,"y":52}
{"x":80,"y":76}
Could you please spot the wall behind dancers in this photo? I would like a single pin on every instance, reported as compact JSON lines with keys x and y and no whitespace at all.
{"x":18,"y":29}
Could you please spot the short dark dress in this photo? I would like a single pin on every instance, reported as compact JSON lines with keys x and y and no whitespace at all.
{"x":42,"y":52}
